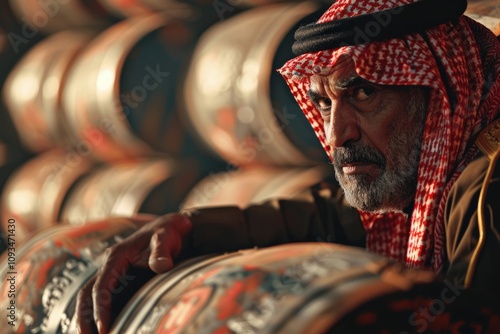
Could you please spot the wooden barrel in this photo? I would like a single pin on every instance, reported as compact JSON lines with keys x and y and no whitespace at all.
{"x":235,"y":98}
{"x":130,"y":75}
{"x":32,"y":92}
{"x":223,"y":8}
{"x":12,"y":154}
{"x":256,"y":184}
{"x":56,"y":15}
{"x":128,"y":8}
{"x":34,"y":193}
{"x":11,"y":158}
{"x":42,"y":276}
{"x":254,"y":3}
{"x":11,"y":50}
{"x":8,"y":21}
{"x":153,"y":185}
{"x":297,"y":288}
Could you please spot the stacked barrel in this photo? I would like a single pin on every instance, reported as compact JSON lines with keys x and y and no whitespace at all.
{"x":241,"y":107}
{"x":113,"y":111}
{"x":95,"y":99}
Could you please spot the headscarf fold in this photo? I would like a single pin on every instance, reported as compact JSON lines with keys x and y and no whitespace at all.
{"x":460,"y":63}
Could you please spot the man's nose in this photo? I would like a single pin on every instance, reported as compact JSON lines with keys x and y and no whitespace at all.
{"x":343,"y":126}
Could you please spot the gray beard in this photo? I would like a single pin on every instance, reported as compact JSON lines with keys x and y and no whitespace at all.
{"x":392,"y":190}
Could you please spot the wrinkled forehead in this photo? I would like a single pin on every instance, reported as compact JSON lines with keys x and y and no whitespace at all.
{"x":339,"y":75}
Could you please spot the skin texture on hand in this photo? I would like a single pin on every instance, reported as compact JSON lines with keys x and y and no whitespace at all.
{"x":154,"y":245}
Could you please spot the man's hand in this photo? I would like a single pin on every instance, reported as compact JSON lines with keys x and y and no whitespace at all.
{"x":154,"y":245}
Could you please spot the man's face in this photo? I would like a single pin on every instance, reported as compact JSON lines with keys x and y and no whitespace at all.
{"x":375,"y":135}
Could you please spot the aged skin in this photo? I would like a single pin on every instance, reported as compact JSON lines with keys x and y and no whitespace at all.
{"x":374,"y":132}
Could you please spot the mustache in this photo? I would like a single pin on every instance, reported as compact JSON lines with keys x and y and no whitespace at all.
{"x":353,"y":154}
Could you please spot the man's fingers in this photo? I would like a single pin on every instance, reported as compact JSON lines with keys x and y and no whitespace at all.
{"x":142,"y":259}
{"x":163,"y":236}
{"x":111,"y":275}
{"x":105,"y":284}
{"x":162,"y":245}
{"x":166,"y":242}
{"x":84,"y":309}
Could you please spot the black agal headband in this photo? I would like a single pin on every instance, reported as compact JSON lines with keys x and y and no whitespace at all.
{"x":382,"y":25}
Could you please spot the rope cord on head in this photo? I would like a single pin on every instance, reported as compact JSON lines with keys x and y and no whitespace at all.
{"x":390,"y":23}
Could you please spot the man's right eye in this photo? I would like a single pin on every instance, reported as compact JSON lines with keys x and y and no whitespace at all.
{"x":324,"y":105}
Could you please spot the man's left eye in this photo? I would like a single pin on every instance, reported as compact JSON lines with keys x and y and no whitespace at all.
{"x":363,"y":93}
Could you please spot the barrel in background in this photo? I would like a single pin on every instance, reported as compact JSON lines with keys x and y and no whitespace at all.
{"x":129,"y":8}
{"x":11,"y":51}
{"x":33,"y":90}
{"x":14,"y":44}
{"x":35,"y":192}
{"x":121,"y":94}
{"x":11,"y":158}
{"x":47,"y":17}
{"x":154,"y":185}
{"x":235,"y":99}
{"x":255,"y":184}
{"x":60,"y":186}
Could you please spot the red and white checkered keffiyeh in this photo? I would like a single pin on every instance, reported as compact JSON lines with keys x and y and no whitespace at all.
{"x":463,"y":99}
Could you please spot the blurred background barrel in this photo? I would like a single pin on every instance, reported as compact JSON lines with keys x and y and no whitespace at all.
{"x":129,"y":8}
{"x":154,"y":185}
{"x":33,"y":90}
{"x":11,"y":158}
{"x":255,"y":184}
{"x":107,"y":106}
{"x":11,"y":51}
{"x":130,"y":74}
{"x":12,"y":153}
{"x":62,"y":186}
{"x":35,"y":192}
{"x":235,"y":98}
{"x":49,"y":16}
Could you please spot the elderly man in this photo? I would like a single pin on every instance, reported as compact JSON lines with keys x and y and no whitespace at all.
{"x":407,"y":111}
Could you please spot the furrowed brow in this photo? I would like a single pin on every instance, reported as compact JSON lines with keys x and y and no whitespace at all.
{"x":350,"y":82}
{"x":313,"y":95}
